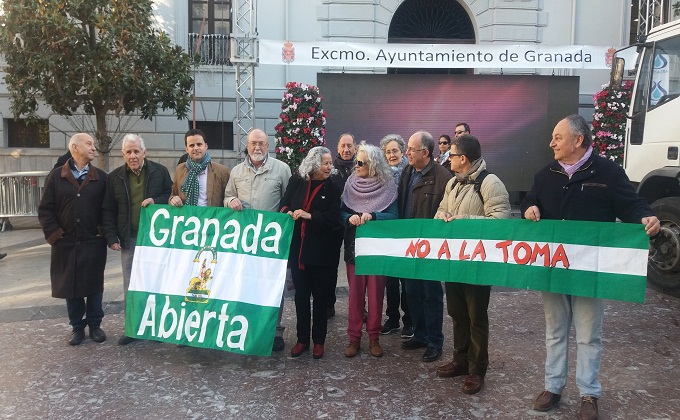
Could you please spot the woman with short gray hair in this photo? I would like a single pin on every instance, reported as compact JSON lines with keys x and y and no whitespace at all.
{"x":312,"y":199}
{"x":394,"y":147}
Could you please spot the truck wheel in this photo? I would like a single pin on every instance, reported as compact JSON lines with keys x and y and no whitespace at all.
{"x":663,"y":271}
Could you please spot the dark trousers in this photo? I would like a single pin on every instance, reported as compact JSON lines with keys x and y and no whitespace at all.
{"x":426,"y":303}
{"x":467,"y":304}
{"x":396,"y":294}
{"x":315,"y":282}
{"x":90,"y":307}
{"x":333,"y":298}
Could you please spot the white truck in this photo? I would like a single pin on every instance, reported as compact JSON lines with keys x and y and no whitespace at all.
{"x":652,"y":157}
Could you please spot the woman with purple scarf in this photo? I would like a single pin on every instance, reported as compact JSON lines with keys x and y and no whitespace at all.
{"x":370,"y":194}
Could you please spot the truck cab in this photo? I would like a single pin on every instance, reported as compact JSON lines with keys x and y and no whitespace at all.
{"x":652,"y":143}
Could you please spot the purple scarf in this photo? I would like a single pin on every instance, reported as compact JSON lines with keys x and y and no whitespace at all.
{"x":571,"y":169}
{"x":368,"y":195}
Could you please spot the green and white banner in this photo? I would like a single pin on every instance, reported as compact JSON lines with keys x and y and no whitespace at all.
{"x":208,"y":277}
{"x":604,"y":260}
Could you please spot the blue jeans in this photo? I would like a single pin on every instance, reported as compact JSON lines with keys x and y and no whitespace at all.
{"x":586,"y":314}
{"x":92,"y":309}
{"x":426,"y":305}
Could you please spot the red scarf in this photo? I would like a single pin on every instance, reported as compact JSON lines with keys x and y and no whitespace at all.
{"x":306,"y":204}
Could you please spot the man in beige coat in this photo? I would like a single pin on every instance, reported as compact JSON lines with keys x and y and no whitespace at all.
{"x":198,"y":181}
{"x":471,"y":193}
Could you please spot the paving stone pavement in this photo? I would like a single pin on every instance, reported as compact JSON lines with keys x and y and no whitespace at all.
{"x":42,"y":377}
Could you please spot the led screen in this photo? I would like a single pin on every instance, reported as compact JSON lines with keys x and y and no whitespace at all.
{"x":512,"y":116}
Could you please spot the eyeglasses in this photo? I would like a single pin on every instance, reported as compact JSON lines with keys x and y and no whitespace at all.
{"x":360,"y":163}
{"x":441,"y":143}
{"x":392,"y":152}
{"x":412,"y":150}
{"x":460,"y":131}
{"x":456,"y":154}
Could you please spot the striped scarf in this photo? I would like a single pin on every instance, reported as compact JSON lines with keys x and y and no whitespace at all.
{"x":190,"y":186}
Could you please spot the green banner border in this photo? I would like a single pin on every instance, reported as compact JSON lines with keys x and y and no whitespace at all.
{"x":223,"y":215}
{"x":261,"y":322}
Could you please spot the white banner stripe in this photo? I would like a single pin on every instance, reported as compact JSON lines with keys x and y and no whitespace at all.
{"x":372,"y":55}
{"x":152,"y":269}
{"x":625,"y":261}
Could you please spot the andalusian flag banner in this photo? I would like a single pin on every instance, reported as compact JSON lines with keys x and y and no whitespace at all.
{"x":208,"y":277}
{"x":604,"y":260}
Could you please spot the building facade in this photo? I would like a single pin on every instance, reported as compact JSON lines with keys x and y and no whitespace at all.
{"x":573,"y":22}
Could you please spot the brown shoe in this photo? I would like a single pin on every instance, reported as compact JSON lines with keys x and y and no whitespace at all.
{"x":317,"y":353}
{"x":298,"y":349}
{"x":451,"y":370}
{"x":473,"y":384}
{"x":546,"y":400}
{"x":374,"y":347}
{"x":589,"y":409}
{"x":352,"y":348}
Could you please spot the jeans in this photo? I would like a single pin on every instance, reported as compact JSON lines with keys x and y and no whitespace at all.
{"x":426,"y":303}
{"x":396,"y":294}
{"x":358,"y":286}
{"x":468,"y":304}
{"x":316,"y":282}
{"x":587,"y":315}
{"x":77,"y":307}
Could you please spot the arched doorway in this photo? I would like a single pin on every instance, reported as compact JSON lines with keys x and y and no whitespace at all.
{"x":431,"y":22}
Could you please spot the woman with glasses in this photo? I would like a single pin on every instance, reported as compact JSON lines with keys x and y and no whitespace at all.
{"x":444,"y":150}
{"x":370,"y":194}
{"x":312,"y":199}
{"x":393,"y":146}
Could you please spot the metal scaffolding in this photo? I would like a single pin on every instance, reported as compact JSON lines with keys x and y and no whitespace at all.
{"x":651,"y":13}
{"x":244,"y":53}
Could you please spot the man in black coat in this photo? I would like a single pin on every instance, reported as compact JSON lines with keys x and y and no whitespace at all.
{"x":344,"y":163}
{"x":579,"y":185}
{"x":71,"y":217}
{"x":136,"y":184}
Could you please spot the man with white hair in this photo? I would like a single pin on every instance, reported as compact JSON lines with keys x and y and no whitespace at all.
{"x":259,"y":183}
{"x":136,"y":184}
{"x":71,"y":218}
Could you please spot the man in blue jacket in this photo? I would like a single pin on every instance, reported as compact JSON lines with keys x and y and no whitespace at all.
{"x":136,"y":184}
{"x":579,"y":185}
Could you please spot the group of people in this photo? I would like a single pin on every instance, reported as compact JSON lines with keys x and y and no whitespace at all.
{"x":328,"y":199}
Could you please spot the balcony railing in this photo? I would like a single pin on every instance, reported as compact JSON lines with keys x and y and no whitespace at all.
{"x":212,"y":51}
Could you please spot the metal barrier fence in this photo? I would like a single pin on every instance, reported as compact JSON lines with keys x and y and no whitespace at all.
{"x":20,"y":194}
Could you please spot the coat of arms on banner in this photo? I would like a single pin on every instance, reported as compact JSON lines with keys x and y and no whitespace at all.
{"x":198,"y":291}
{"x":609,"y":56}
{"x":288,"y":52}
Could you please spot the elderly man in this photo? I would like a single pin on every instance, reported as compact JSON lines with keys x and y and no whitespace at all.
{"x":579,"y":185}
{"x":421,"y":189}
{"x":71,"y":218}
{"x":472,"y":194}
{"x":136,"y":184}
{"x":344,"y":163}
{"x":199,"y":181}
{"x":259,"y":182}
